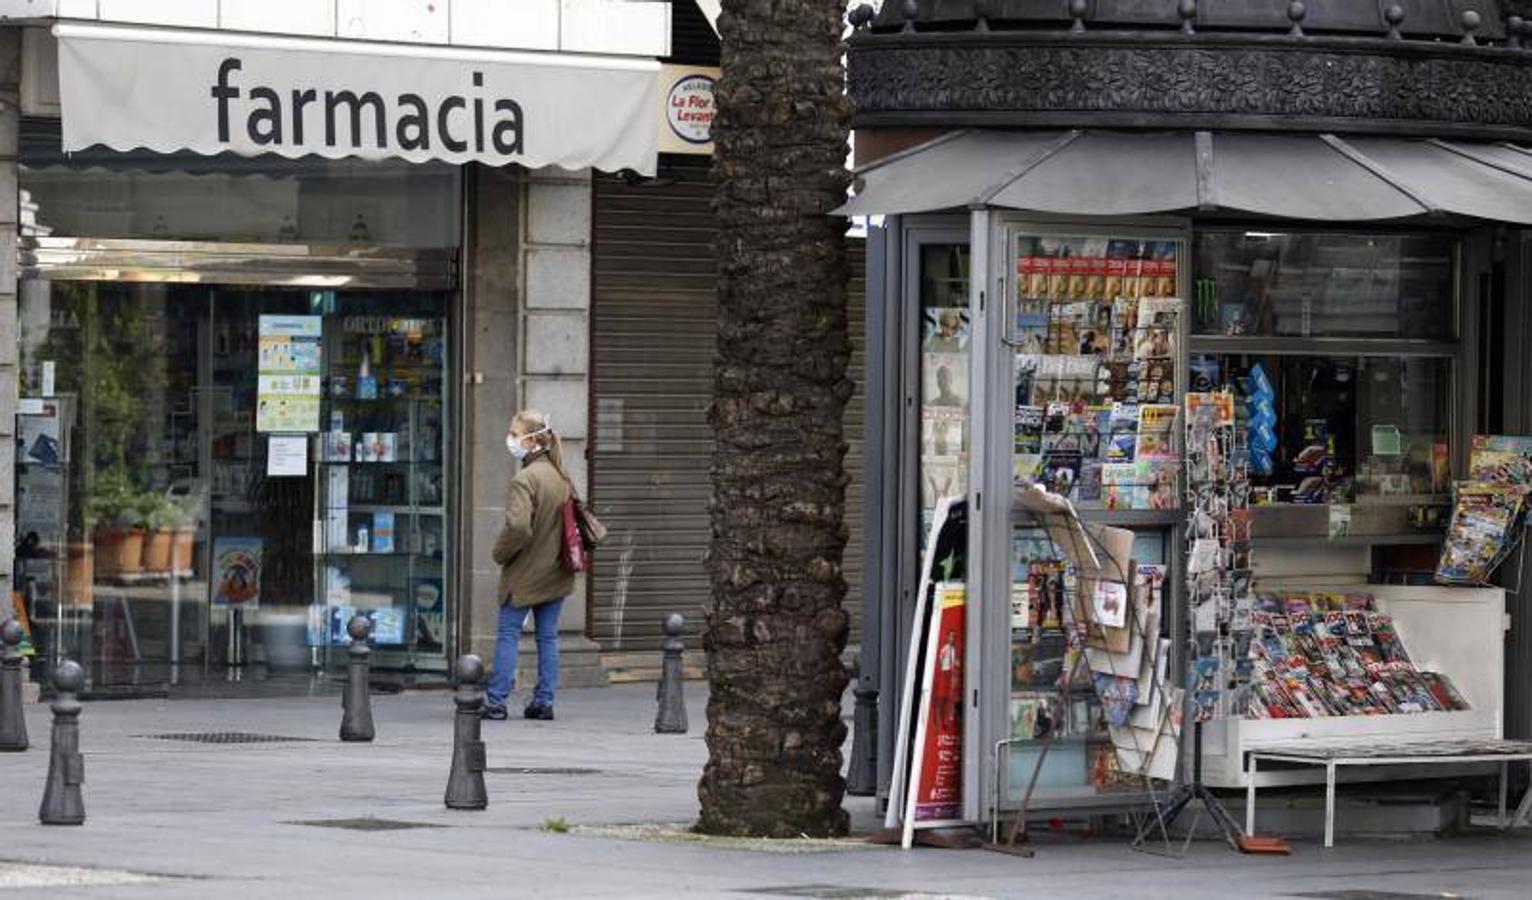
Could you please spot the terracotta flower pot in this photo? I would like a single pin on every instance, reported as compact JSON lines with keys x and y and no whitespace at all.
{"x":80,"y":574}
{"x":107,"y":548}
{"x":119,"y":552}
{"x":181,"y":548}
{"x":132,"y":560}
{"x":156,"y":551}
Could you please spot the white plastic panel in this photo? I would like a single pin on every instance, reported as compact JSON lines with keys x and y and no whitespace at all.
{"x":615,"y":26}
{"x":311,"y":17}
{"x":29,"y":9}
{"x":179,"y":13}
{"x":522,"y":25}
{"x":414,"y":21}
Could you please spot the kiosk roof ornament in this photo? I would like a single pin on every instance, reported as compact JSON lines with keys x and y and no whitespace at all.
{"x":1440,"y":68}
{"x":1427,"y":19}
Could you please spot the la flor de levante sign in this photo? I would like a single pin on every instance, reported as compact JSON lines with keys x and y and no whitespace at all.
{"x":133,"y":88}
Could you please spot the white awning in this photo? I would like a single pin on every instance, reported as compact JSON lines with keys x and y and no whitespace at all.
{"x":214,"y":92}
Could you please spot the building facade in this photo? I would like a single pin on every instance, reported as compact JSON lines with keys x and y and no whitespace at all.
{"x":280,"y":273}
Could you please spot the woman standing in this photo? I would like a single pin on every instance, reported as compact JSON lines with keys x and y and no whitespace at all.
{"x":531,"y":577}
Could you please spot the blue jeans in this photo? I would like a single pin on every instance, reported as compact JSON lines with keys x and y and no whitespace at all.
{"x":546,"y":623}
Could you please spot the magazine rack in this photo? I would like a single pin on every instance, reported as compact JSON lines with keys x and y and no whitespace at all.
{"x":1458,"y":631}
{"x":1098,"y":556}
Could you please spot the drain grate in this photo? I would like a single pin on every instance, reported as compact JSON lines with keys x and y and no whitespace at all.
{"x":224,"y":737}
{"x":367,"y":824}
{"x":534,"y":770}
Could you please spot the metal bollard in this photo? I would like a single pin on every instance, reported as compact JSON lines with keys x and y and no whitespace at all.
{"x":862,"y":776}
{"x":465,"y":786}
{"x":356,"y":704}
{"x":63,"y":803}
{"x":13,"y":726}
{"x":671,"y":717}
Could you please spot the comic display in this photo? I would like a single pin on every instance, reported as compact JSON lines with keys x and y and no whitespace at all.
{"x":1333,"y":654}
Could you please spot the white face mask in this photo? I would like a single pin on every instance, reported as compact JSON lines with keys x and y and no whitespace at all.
{"x":519,"y":450}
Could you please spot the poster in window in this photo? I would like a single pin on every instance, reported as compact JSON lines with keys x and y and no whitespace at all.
{"x":944,"y":329}
{"x":237,"y":572}
{"x":39,"y":438}
{"x":288,"y":374}
{"x":430,"y":612}
{"x":945,"y":379}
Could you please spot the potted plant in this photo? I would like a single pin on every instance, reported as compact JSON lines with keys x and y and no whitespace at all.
{"x":162,"y":516}
{"x":184,"y":540}
{"x":111,"y":514}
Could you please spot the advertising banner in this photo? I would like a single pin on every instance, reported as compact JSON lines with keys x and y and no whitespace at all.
{"x":939,"y":768}
{"x":927,"y":787}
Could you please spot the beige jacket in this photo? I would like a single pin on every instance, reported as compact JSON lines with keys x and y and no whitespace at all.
{"x":527,"y":549}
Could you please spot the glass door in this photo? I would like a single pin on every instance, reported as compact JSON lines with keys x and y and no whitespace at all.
{"x":260,"y":554}
{"x":1095,"y":328}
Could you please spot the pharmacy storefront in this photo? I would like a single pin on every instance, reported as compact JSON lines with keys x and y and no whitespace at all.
{"x":245,"y":410}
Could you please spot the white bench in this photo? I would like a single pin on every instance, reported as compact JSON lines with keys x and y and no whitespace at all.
{"x":1333,"y":756}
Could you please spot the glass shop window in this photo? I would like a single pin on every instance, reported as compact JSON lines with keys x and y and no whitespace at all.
{"x":183,"y":197}
{"x":1339,"y":429}
{"x":1310,"y":285}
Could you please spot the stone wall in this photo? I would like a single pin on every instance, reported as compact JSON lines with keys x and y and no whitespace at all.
{"x":528,"y":316}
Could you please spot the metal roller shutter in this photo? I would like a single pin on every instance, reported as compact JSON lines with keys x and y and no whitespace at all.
{"x":654,"y":324}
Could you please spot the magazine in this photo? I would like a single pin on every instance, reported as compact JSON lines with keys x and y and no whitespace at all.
{"x":1061,"y":471}
{"x":1035,"y":717}
{"x":943,"y":431}
{"x":1155,"y":335}
{"x":944,"y":329}
{"x":1485,"y":518}
{"x":1500,"y":458}
{"x":1031,"y":325}
{"x":944,"y":379}
{"x":1156,"y":432}
{"x":1090,"y":484}
{"x":942,"y":479}
{"x":1028,"y":429}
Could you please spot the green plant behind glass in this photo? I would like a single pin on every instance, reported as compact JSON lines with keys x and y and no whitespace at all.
{"x":113,"y":362}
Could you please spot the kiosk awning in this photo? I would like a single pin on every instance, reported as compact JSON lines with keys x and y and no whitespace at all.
{"x":213,"y":92}
{"x":1088,"y":173}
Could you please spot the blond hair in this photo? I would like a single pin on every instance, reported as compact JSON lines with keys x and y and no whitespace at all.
{"x":540,"y":427}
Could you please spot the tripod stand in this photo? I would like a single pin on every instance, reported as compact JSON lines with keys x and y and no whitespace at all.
{"x":1164,"y":816}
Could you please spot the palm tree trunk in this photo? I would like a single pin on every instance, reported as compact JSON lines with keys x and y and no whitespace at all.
{"x":776,"y":627}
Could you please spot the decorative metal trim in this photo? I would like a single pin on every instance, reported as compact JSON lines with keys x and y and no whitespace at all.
{"x":1207,"y":81}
